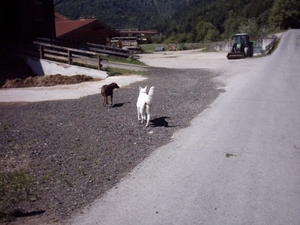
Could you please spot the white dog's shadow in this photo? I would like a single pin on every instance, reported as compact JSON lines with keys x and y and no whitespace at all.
{"x":119,"y":104}
{"x":161,"y":122}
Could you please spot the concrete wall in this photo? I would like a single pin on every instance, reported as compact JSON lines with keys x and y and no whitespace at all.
{"x":46,"y":67}
{"x":227,"y":45}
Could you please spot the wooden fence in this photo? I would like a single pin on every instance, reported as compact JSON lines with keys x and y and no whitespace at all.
{"x":91,"y":54}
{"x":70,"y":55}
{"x":270,"y":46}
{"x":102,"y":49}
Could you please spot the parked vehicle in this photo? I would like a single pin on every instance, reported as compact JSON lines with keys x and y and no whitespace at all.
{"x":241,"y":48}
{"x":129,"y":43}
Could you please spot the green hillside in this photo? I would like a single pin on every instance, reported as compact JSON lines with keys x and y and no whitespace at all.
{"x":143,"y":14}
{"x":219,"y":19}
{"x":189,"y":20}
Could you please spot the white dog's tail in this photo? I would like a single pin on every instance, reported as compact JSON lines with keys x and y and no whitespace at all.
{"x":150,"y":95}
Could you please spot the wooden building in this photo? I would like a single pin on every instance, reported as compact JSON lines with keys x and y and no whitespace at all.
{"x":22,"y":20}
{"x":83,"y":30}
{"x":25,"y":21}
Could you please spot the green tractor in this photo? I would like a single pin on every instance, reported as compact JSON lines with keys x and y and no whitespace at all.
{"x":241,"y":48}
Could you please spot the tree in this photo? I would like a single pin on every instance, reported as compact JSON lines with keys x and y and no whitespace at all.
{"x":285,"y":14}
{"x":250,"y":27}
{"x":206,"y":32}
{"x":231,"y":26}
{"x":212,"y":35}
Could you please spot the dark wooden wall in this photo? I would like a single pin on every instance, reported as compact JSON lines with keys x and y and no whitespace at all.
{"x":22,"y":20}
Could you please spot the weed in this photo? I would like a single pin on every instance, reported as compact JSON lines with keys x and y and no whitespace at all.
{"x":84,"y":158}
{"x":229,"y":155}
{"x":81,"y":171}
{"x":5,"y":127}
{"x":111,"y":71}
{"x":130,"y":60}
{"x":14,"y":187}
{"x":68,"y":183}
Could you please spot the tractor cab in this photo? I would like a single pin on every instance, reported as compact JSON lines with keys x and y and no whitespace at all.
{"x":241,"y":48}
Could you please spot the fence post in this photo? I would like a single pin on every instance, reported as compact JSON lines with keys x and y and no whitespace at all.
{"x":99,"y":62}
{"x":41,"y":51}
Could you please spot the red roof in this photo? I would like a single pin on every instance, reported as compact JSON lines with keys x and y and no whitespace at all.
{"x":68,"y":26}
{"x":64,"y":25}
{"x":60,"y":18}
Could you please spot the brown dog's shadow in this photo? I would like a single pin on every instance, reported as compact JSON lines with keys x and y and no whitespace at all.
{"x":161,"y":122}
{"x":19,"y":213}
{"x":119,"y":104}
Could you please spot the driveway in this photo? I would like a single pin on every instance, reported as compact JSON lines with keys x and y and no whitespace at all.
{"x":238,"y":162}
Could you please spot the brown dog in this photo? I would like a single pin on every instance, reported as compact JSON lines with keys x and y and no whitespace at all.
{"x":107,"y":90}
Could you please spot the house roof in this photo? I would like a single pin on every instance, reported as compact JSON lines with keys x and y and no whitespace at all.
{"x":64,"y":26}
{"x":60,"y":18}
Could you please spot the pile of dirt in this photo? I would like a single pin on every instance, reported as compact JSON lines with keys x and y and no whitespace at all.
{"x":15,"y":73}
{"x":43,"y":81}
{"x":13,"y":67}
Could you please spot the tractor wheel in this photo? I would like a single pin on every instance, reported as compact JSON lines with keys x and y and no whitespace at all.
{"x":250,"y":50}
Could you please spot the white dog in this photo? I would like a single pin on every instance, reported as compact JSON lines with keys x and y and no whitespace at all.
{"x":144,"y":104}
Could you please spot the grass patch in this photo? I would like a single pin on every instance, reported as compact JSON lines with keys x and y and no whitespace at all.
{"x":67,"y":182}
{"x":150,"y":47}
{"x":130,"y":60}
{"x":229,"y":155}
{"x":112,"y":71}
{"x":14,"y":188}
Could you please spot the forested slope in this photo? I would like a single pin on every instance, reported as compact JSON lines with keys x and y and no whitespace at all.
{"x":189,"y":20}
{"x":143,"y":14}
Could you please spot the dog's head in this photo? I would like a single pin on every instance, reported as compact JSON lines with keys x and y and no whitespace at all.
{"x":143,"y":90}
{"x":114,"y":85}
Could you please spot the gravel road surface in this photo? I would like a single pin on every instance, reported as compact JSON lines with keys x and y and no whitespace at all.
{"x":75,"y":150}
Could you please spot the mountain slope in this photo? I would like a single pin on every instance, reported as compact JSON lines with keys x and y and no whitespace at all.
{"x":189,"y":20}
{"x":143,"y":14}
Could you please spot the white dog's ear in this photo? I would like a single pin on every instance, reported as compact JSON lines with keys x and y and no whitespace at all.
{"x":144,"y":89}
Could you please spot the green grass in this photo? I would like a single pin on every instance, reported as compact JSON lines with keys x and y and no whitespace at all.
{"x":113,"y":71}
{"x":129,"y":60}
{"x":150,"y":47}
{"x":14,"y":188}
{"x":229,"y":155}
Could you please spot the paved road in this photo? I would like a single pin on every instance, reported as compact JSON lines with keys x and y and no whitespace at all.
{"x":238,"y":163}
